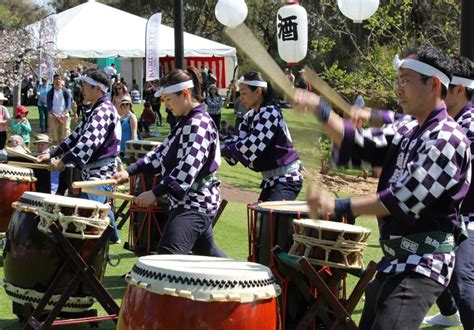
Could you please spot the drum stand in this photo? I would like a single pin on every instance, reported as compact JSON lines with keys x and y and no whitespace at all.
{"x":325,"y":306}
{"x":84,"y":272}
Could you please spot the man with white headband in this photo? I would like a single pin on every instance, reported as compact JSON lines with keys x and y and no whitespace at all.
{"x":263,"y":142}
{"x":425,"y":176}
{"x":461,"y":288}
{"x":94,"y":144}
{"x":58,"y":101}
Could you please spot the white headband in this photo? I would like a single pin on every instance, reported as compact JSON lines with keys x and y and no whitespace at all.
{"x":420,"y":67}
{"x":174,"y":88}
{"x":468,"y":83}
{"x":93,"y":82}
{"x":256,"y":83}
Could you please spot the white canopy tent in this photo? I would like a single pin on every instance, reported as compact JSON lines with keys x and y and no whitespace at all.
{"x":95,"y":30}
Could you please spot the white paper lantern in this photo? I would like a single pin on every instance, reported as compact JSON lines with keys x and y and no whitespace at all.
{"x":292,"y":32}
{"x":231,"y":12}
{"x":358,"y":10}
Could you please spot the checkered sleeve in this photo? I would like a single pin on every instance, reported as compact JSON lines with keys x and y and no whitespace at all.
{"x":151,"y":162}
{"x":69,"y":142}
{"x":194,"y":149}
{"x":93,"y":135}
{"x":251,"y":144}
{"x":442,"y":164}
{"x":364,"y":145}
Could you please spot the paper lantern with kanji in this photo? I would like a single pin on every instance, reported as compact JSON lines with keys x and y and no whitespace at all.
{"x":292,"y":32}
{"x":358,"y":10}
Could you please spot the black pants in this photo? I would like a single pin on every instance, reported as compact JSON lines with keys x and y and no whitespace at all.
{"x":187,"y":231}
{"x":280,"y":191}
{"x":217,"y":121}
{"x":156,"y":109}
{"x":398,"y":301}
{"x":3,"y":139}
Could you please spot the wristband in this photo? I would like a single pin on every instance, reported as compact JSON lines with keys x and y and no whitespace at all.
{"x":325,"y":111}
{"x":343,"y":207}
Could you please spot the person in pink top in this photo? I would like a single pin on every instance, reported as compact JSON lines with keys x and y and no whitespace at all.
{"x":4,"y":118}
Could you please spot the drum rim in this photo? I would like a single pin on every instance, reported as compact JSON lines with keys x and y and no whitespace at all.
{"x":203,"y":286}
{"x":260,"y":207}
{"x":19,"y":169}
{"x":320,"y":224}
{"x":81,"y":202}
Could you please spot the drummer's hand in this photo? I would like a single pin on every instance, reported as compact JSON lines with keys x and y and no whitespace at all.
{"x":42,"y":158}
{"x":360,"y":116}
{"x":319,"y":200}
{"x":56,"y":165}
{"x":304,"y":101}
{"x":146,"y":199}
{"x":121,"y":177}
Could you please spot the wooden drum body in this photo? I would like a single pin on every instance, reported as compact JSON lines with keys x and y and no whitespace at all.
{"x":31,"y":255}
{"x":14,"y":181}
{"x":195,"y":292}
{"x":327,"y":243}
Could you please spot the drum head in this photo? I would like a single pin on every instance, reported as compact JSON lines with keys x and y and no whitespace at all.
{"x":204,"y":278}
{"x":283,"y":207}
{"x":16,"y":172}
{"x":41,"y":199}
{"x":331,"y":226}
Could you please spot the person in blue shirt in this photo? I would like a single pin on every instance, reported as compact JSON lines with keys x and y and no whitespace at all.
{"x":42,"y":93}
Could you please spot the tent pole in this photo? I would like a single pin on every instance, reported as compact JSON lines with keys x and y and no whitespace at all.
{"x":178,"y":34}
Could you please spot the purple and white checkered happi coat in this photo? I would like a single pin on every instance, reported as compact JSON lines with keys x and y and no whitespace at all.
{"x":191,"y":152}
{"x":425,"y":176}
{"x":264,"y":143}
{"x":96,"y":137}
{"x":465,"y":119}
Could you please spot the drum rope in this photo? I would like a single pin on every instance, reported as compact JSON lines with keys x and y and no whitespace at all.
{"x":81,"y":223}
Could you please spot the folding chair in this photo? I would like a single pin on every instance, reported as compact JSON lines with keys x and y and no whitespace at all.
{"x":324,"y":305}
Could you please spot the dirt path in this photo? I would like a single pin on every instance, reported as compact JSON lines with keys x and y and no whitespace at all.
{"x":336,"y":182}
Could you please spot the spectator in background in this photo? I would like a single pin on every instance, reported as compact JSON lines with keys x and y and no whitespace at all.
{"x":155,"y":101}
{"x":289,"y":74}
{"x":111,"y":72}
{"x":214,"y":102}
{"x":4,"y":119}
{"x":59,"y":102}
{"x":119,"y":90}
{"x":147,"y":118}
{"x":240,"y":110}
{"x":42,"y":94}
{"x":128,"y":120}
{"x":16,"y":142}
{"x":205,"y":81}
{"x":135,"y":85}
{"x":21,"y":126}
{"x":135,"y":96}
{"x":211,"y":78}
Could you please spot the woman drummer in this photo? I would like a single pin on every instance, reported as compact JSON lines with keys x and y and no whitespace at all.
{"x":263,"y":142}
{"x":186,"y":162}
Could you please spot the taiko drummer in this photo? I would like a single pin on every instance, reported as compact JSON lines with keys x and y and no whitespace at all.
{"x":263,"y":142}
{"x":425,"y":176}
{"x":186,"y":162}
{"x":94,"y":144}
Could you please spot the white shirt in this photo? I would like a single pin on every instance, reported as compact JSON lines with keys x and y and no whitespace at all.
{"x":58,"y":102}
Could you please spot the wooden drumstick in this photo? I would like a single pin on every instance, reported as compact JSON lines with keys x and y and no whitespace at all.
{"x":243,"y":37}
{"x":114,"y":195}
{"x":21,"y":154}
{"x":93,"y":183}
{"x":325,"y":90}
{"x":30,"y":165}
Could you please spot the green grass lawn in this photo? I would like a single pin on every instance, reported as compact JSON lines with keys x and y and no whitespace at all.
{"x":231,"y":230}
